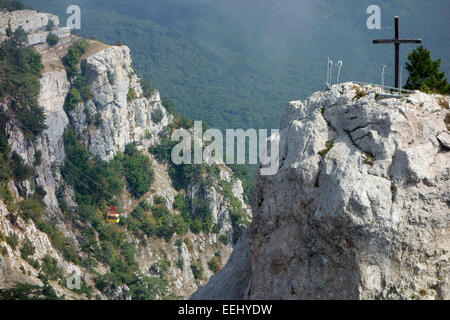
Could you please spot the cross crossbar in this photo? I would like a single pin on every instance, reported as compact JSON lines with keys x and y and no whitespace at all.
{"x":397,"y":41}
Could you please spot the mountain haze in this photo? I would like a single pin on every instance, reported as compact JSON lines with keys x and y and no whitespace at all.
{"x":231,"y":63}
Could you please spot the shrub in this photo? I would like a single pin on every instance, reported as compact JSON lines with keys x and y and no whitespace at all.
{"x":8,"y":198}
{"x":180,"y":264}
{"x":164,"y":220}
{"x":50,"y":25}
{"x":181,"y":227}
{"x":107,"y":174}
{"x":148,"y":288}
{"x":147,"y":134}
{"x":98,"y":119}
{"x":225,"y":239}
{"x":27,"y":249}
{"x":49,"y":266}
{"x":131,"y":94}
{"x":110,"y":77}
{"x":169,"y":105}
{"x":369,"y":159}
{"x":196,"y":226}
{"x":5,"y":167}
{"x":163,"y":150}
{"x":32,"y":118}
{"x":182,"y":175}
{"x":21,"y":171}
{"x":360,"y":93}
{"x":88,"y":115}
{"x":25,"y":291}
{"x":157,"y":116}
{"x":197,"y":269}
{"x":180,"y":203}
{"x":189,"y":244}
{"x":80,"y":83}
{"x":238,"y":217}
{"x":72,"y":100}
{"x":329,"y":145}
{"x":147,"y":88}
{"x":73,"y":57}
{"x":215,"y":264}
{"x":63,"y":244}
{"x":52,"y":39}
{"x":138,"y":171}
{"x":31,"y":209}
{"x":78,"y":92}
{"x":37,"y":158}
{"x":12,"y":240}
{"x":201,"y":214}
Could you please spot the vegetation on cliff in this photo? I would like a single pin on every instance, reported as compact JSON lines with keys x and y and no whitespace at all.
{"x":20,"y":71}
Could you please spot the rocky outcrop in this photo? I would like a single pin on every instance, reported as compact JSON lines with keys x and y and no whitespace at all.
{"x":120,"y":293}
{"x":200,"y":247}
{"x":110,"y":75}
{"x":360,"y":207}
{"x":34,"y":23}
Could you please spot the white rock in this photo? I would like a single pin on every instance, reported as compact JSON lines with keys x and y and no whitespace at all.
{"x":367,"y":219}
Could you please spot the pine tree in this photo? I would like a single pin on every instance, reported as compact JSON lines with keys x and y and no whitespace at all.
{"x":424,"y":73}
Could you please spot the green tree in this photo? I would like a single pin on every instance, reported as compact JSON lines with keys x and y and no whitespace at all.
{"x":21,"y":170}
{"x":197,"y":269}
{"x":138,"y":171}
{"x":131,"y":94}
{"x":73,"y":57}
{"x":50,"y":25}
{"x":424,"y":73}
{"x":52,"y":39}
{"x":20,"y":70}
{"x":12,"y":240}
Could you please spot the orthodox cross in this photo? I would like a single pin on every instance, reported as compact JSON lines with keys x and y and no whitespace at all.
{"x":397,"y":41}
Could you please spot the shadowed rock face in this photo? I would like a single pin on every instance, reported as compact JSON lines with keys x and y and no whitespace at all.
{"x":360,"y":206}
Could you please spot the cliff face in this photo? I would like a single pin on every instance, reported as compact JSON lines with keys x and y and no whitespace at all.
{"x":360,"y":207}
{"x":32,"y":22}
{"x":110,"y":77}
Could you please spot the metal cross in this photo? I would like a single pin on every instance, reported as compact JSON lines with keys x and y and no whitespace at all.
{"x":397,"y":41}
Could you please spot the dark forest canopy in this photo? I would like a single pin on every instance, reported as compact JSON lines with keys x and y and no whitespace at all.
{"x":12,"y":5}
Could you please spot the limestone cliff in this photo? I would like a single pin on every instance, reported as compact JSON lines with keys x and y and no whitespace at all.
{"x":120,"y":120}
{"x":360,"y":207}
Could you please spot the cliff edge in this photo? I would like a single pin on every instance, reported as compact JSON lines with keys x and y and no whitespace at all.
{"x":360,"y":207}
